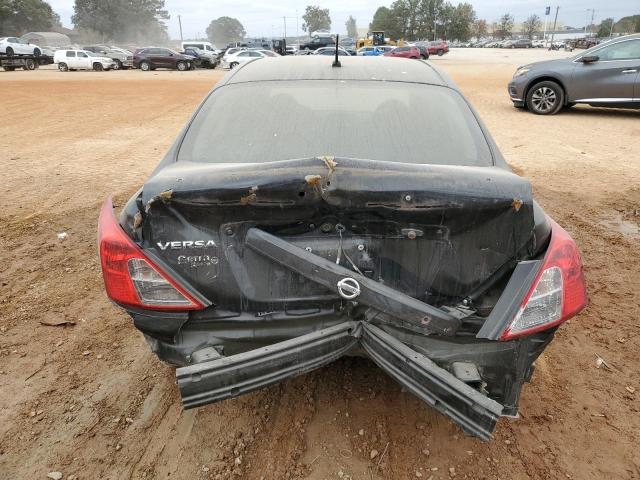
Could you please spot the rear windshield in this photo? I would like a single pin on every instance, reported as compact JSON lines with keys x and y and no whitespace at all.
{"x":388,"y":121}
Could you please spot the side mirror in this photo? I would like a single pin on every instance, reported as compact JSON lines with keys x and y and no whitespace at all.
{"x":590,"y":58}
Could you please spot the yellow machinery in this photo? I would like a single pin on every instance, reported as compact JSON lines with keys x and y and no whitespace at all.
{"x":377,"y":39}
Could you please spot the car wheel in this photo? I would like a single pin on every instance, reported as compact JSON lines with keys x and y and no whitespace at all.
{"x":30,"y":64}
{"x":9,"y":52}
{"x":545,"y":98}
{"x":512,"y":47}
{"x":145,"y":66}
{"x":117,"y":65}
{"x":98,"y":67}
{"x":36,"y":52}
{"x":414,"y":58}
{"x":440,"y":53}
{"x":233,"y":65}
{"x":63,"y":67}
{"x":181,"y":66}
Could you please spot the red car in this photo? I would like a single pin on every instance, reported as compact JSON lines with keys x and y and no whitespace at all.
{"x":438,"y":48}
{"x":404,"y":52}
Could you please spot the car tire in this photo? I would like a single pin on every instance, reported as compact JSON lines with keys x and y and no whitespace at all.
{"x":233,"y":65}
{"x":545,"y":98}
{"x":37,"y":52}
{"x":30,"y":64}
{"x":9,"y":52}
{"x":97,"y":67}
{"x":413,"y":58}
{"x":145,"y":66}
{"x":63,"y":67}
{"x":512,"y":47}
{"x":182,"y":66}
{"x":117,"y":65}
{"x":440,"y":53}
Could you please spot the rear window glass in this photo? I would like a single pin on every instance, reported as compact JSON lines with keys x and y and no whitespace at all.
{"x":282,"y":120}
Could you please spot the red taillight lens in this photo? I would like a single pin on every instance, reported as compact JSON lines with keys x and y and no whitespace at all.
{"x":559,"y":291}
{"x":130,"y":277}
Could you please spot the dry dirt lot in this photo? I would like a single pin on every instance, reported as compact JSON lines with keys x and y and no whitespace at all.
{"x":89,"y":400}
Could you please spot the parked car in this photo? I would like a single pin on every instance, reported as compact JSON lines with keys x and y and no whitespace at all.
{"x":291,"y":49}
{"x":438,"y":48}
{"x":248,"y":261}
{"x":519,"y":43}
{"x":150,"y":58}
{"x":368,"y":51}
{"x":331,"y":51}
{"x":121,"y":59}
{"x":318,"y":42}
{"x":14,"y":46}
{"x":605,"y":75}
{"x":202,"y":58}
{"x":81,"y":60}
{"x":240,"y":57}
{"x":204,"y":46}
{"x":424,"y":52}
{"x":404,"y":52}
{"x":269,"y":53}
{"x":538,"y":43}
{"x":231,"y":51}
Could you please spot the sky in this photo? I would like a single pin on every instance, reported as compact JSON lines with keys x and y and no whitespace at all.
{"x":266,"y":19}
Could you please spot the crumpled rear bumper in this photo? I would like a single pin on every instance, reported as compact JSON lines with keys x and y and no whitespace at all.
{"x":228,"y":377}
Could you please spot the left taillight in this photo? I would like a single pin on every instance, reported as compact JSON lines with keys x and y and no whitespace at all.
{"x":559,"y":291}
{"x":130,"y":277}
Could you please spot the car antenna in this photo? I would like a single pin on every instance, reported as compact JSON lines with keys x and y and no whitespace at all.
{"x":336,"y":62}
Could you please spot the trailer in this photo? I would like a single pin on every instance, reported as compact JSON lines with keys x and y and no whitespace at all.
{"x":27,"y":62}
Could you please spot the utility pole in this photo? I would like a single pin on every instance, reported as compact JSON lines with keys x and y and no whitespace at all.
{"x":593,"y":12}
{"x":554,"y":25}
{"x":547,"y":10}
{"x":284,"y":22}
{"x":180,"y":23}
{"x":611,"y":31}
{"x":297,"y":35}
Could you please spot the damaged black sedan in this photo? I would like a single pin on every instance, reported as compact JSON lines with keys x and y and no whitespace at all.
{"x":308,"y":212}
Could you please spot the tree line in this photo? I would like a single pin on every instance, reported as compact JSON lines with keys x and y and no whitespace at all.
{"x":142,"y":21}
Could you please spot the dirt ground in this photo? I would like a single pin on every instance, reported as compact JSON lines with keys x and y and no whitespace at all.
{"x":90,"y":400}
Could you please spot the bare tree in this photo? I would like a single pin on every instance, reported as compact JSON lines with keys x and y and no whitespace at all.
{"x":531,"y":25}
{"x":505,"y":26}
{"x":480,"y":29}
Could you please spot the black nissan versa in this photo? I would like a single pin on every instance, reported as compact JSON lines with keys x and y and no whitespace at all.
{"x":341,"y":226}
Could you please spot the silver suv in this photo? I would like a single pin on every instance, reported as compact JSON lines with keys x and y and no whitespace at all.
{"x":607,"y":75}
{"x":122,"y":59}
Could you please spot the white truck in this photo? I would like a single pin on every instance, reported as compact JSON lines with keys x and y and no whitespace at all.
{"x":81,"y":60}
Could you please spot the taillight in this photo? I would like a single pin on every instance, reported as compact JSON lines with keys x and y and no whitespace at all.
{"x":130,"y":277}
{"x":559,"y":291}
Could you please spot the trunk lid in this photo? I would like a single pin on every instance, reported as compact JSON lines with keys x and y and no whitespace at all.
{"x":435,"y":233}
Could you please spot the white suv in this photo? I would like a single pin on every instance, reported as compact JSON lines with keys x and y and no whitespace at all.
{"x":81,"y":60}
{"x":14,"y":46}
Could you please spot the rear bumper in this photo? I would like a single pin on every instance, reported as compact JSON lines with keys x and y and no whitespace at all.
{"x":463,"y":372}
{"x":228,"y":377}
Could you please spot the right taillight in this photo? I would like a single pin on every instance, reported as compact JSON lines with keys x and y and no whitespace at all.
{"x":559,"y":291}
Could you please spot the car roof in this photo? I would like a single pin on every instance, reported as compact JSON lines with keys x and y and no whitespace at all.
{"x":318,"y":67}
